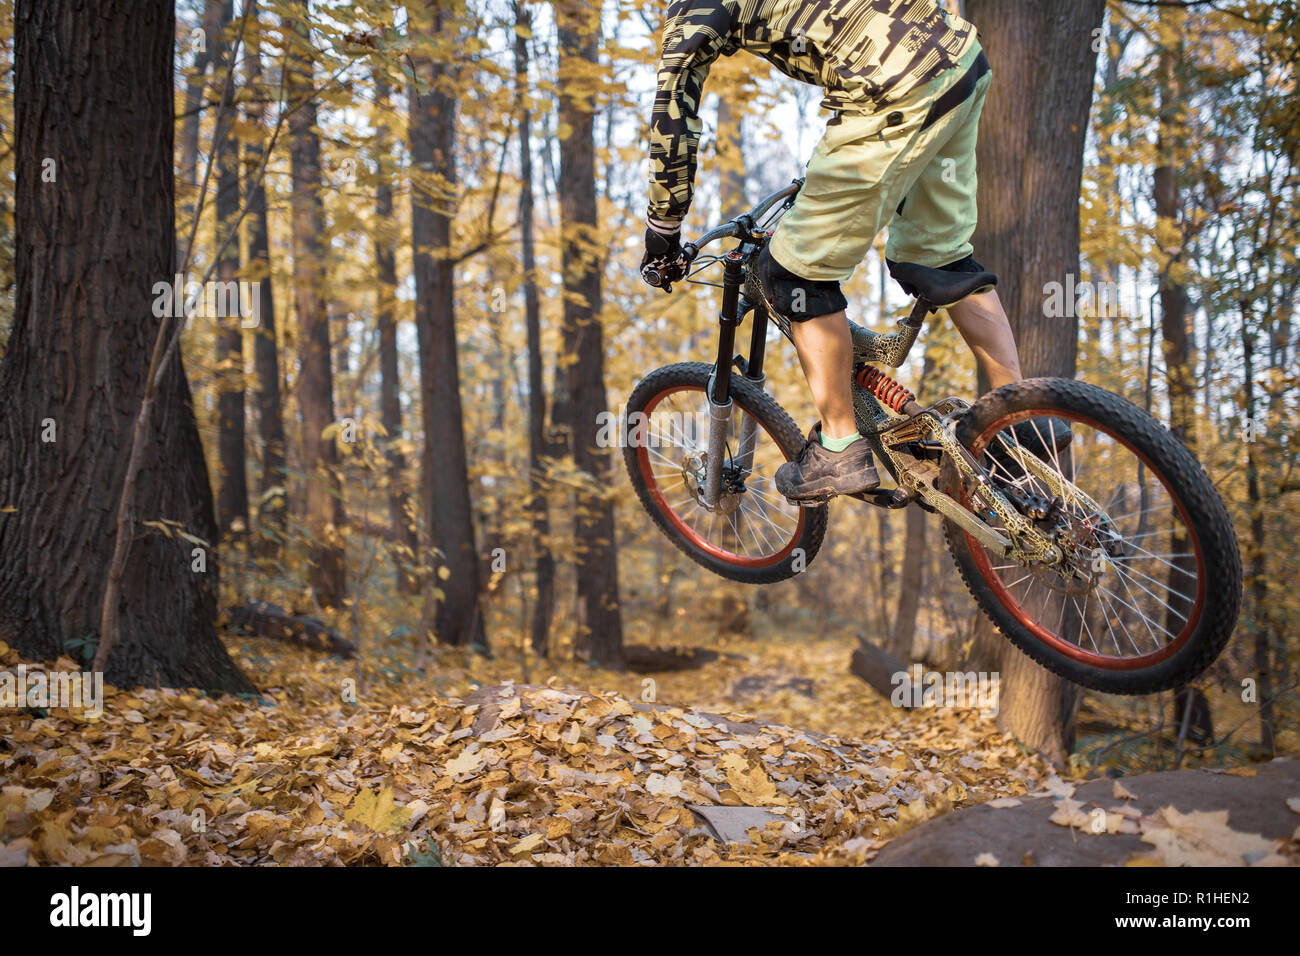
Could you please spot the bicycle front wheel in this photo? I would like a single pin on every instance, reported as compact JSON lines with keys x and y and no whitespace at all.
{"x":752,"y":534}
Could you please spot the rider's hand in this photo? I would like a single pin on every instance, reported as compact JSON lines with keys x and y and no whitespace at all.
{"x":663,"y":253}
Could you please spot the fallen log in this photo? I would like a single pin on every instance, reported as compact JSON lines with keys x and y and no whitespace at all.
{"x":878,"y":668}
{"x":643,"y":659}
{"x":263,"y":619}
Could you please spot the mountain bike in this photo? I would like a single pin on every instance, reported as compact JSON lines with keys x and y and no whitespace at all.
{"x":1111,"y":561}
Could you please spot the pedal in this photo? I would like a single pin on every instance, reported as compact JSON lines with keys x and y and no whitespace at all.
{"x":891,"y":498}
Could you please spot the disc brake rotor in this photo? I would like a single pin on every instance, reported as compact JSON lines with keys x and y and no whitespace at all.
{"x":1087,"y":544}
{"x":694,"y":469}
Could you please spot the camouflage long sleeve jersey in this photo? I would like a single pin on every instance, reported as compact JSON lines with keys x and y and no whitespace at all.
{"x":863,"y":53}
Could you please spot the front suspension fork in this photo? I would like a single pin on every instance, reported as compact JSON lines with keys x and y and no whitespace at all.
{"x":720,"y":407}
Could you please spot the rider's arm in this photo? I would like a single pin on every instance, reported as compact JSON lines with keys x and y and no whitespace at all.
{"x":695,"y":33}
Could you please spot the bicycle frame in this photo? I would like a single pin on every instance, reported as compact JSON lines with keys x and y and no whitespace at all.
{"x":891,"y":427}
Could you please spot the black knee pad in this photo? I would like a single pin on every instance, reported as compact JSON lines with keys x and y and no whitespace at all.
{"x":795,"y":298}
{"x":967,"y":265}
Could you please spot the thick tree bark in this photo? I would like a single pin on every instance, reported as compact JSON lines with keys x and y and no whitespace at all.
{"x":271,"y":510}
{"x":1030,"y":158}
{"x":232,"y":494}
{"x":400,"y":510}
{"x":597,"y":548}
{"x":543,"y":560}
{"x":94,"y":141}
{"x":444,"y":472}
{"x":324,"y":506}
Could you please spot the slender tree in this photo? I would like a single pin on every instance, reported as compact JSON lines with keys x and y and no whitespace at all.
{"x":232,"y":494}
{"x":544,"y":561}
{"x":597,"y":547}
{"x":1175,"y":303}
{"x":272,"y":488}
{"x":400,"y":510}
{"x":912,"y":572}
{"x":444,"y":470}
{"x":324,"y":517}
{"x":195,"y":83}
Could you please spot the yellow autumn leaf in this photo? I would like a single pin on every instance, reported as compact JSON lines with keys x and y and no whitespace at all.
{"x":379,"y":811}
{"x":753,"y":786}
{"x":231,"y":789}
{"x":465,"y":763}
{"x":1203,"y":838}
{"x":527,"y":845}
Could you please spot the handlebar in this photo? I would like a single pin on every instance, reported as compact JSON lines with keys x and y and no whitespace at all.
{"x":740,"y":227}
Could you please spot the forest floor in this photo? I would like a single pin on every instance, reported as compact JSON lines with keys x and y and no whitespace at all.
{"x":488,"y":762}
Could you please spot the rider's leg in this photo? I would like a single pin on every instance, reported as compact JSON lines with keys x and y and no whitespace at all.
{"x":836,"y":460}
{"x":861,"y":170}
{"x":826,"y":353}
{"x":984,"y":326}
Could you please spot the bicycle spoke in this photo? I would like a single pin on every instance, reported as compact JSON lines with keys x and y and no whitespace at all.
{"x":1142,"y":605}
{"x":751,"y":519}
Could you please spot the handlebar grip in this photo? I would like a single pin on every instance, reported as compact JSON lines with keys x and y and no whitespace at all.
{"x":652,"y":276}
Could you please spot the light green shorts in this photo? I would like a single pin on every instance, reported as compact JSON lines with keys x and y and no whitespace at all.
{"x":865,"y":174}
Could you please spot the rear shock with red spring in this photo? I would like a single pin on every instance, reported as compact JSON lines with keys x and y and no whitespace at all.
{"x":888,"y":392}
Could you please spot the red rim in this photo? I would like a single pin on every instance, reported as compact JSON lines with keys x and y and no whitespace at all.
{"x":647,"y":475}
{"x":1052,"y":640}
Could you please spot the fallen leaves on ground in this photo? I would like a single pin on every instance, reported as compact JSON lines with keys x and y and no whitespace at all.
{"x":1203,"y":838}
{"x":533,"y":775}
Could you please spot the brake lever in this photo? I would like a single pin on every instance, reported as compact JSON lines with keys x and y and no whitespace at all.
{"x":655,"y":278}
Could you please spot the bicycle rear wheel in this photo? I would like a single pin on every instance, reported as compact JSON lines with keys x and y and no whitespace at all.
{"x":1148,"y":589}
{"x":753,"y":534}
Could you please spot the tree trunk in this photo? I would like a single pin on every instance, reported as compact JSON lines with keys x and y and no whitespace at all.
{"x":1258,"y":556}
{"x":323,"y":515}
{"x":232,"y":496}
{"x":400,"y":510}
{"x":1030,"y":157}
{"x":494,"y":454}
{"x":94,"y":215}
{"x":885,"y":570}
{"x":732,"y":81}
{"x":445,"y":481}
{"x":1180,"y":375}
{"x":271,"y":510}
{"x":195,"y":83}
{"x":596,"y":546}
{"x":543,"y":561}
{"x":912,"y":576}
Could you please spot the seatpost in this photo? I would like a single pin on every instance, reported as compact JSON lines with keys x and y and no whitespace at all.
{"x":720,"y":392}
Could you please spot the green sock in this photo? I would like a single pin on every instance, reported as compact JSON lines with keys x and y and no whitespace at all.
{"x":838,"y":444}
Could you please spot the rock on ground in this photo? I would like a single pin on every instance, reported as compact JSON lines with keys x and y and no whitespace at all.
{"x":1255,"y":799}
